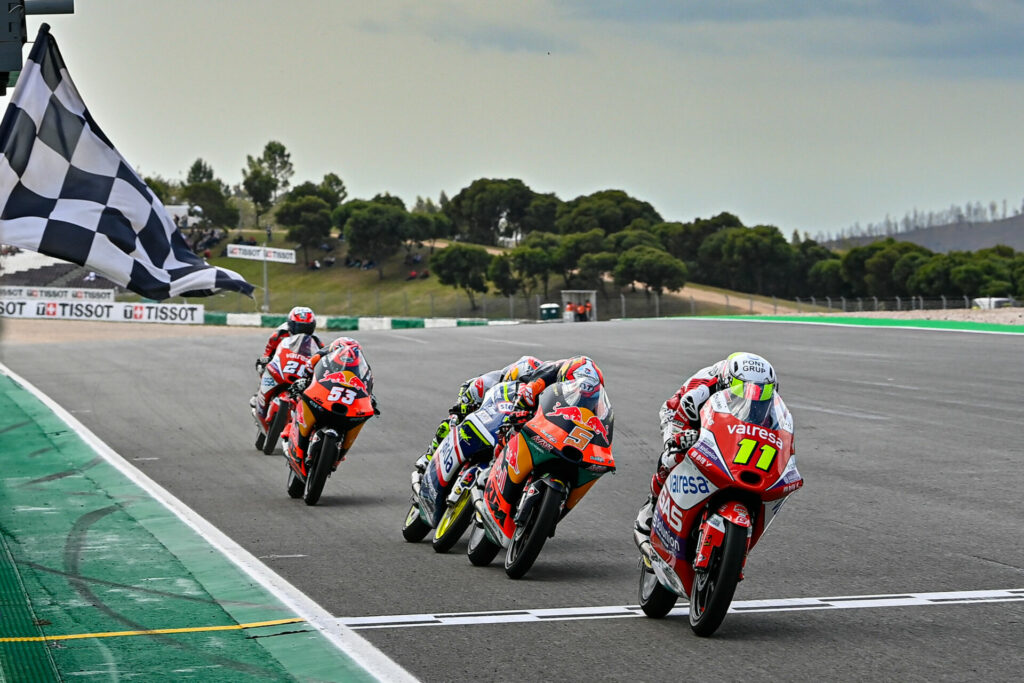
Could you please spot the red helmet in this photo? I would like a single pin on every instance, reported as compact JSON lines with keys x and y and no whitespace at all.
{"x":581,"y":368}
{"x":301,"y":320}
{"x":343,"y":341}
{"x":521,"y":367}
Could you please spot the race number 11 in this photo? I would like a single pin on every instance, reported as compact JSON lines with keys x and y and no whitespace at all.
{"x":764,"y":460}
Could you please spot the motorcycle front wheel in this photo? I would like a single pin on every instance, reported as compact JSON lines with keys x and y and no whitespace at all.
{"x":481,"y":550}
{"x":454,"y":522}
{"x":316,"y":474}
{"x":261,"y":439}
{"x":655,"y":600}
{"x":295,"y":484}
{"x":714,"y":587}
{"x":276,"y":427}
{"x":415,"y":529}
{"x":529,"y":538}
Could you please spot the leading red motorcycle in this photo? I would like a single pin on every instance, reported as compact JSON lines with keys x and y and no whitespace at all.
{"x":716,"y":504}
{"x":289,"y":363}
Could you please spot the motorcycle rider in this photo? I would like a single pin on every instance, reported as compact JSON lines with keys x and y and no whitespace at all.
{"x":344,"y":353}
{"x":301,"y":320}
{"x":511,"y":398}
{"x":680,"y":415}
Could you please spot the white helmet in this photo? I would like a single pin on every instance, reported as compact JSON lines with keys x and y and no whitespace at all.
{"x":742,"y":368}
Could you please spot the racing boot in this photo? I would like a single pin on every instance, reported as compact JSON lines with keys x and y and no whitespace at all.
{"x":442,"y":431}
{"x":644,"y":516}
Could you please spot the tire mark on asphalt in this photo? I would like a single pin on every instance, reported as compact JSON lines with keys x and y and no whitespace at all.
{"x":73,"y":547}
{"x":66,"y":473}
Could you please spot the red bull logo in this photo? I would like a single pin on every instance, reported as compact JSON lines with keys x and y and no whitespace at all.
{"x":347,"y":378}
{"x":581,"y":417}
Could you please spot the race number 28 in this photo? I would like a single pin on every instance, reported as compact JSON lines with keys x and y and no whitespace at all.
{"x":764,"y":459}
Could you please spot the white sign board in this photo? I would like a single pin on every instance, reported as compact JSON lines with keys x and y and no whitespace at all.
{"x":120,"y":311}
{"x":261,"y":253}
{"x":68,"y":293}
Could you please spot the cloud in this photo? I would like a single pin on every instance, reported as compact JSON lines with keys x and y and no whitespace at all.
{"x":503,"y":38}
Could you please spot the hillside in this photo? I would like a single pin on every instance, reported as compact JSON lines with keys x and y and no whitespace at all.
{"x":955,"y":236}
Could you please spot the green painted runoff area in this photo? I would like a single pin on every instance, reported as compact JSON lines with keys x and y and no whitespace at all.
{"x":964,"y":326}
{"x":83,"y":550}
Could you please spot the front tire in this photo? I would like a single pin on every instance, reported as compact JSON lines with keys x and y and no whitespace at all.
{"x":295,"y":484}
{"x":482,"y":550}
{"x":454,"y":522}
{"x":276,"y":427}
{"x":655,"y":600}
{"x":261,"y":438}
{"x":713,"y":588}
{"x":528,"y":539}
{"x":316,"y":474}
{"x":415,"y":529}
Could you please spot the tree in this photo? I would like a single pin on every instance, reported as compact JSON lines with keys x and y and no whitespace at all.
{"x":334,"y":187}
{"x":540,"y":214}
{"x":530,"y":265}
{"x":549,"y":243}
{"x":610,"y":210}
{"x":573,"y":247}
{"x":199,"y":172}
{"x":825,"y":278}
{"x":259,"y":186}
{"x":592,"y":268}
{"x":655,"y":268}
{"x":968,"y":278}
{"x":375,"y":231}
{"x":463,"y":266}
{"x":477,"y":210}
{"x":276,"y":161}
{"x":499,"y":272}
{"x":167,"y":191}
{"x":212,"y":202}
{"x":308,"y":220}
{"x":620,"y":242}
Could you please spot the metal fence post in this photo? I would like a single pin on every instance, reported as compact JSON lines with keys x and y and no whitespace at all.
{"x":511,"y":308}
{"x":775,"y":305}
{"x":798,"y":310}
{"x":483,"y":305}
{"x":828,"y":300}
{"x":899,"y":307}
{"x":876,"y":302}
{"x":943,"y":301}
{"x":843,"y":299}
{"x":751,"y":305}
{"x":814,"y":302}
{"x":622,"y":297}
{"x":726,"y":303}
{"x":967,"y":304}
{"x":657,"y":305}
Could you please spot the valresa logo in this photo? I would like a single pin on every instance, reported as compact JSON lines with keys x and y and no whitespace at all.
{"x":758,"y":432}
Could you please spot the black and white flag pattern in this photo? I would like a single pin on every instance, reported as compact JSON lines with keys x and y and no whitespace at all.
{"x":65,"y":191}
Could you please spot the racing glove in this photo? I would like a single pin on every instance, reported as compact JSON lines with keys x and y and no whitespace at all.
{"x":261,"y":363}
{"x":681,"y":441}
{"x":298,"y":386}
{"x":373,"y":402}
{"x":525,"y":399}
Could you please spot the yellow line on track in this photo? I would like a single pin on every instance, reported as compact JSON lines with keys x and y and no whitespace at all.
{"x":116,"y":634}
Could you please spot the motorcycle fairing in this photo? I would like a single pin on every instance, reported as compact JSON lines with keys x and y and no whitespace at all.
{"x":439,"y":476}
{"x":688,"y":486}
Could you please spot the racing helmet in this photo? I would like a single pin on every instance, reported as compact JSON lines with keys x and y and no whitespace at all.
{"x":521,"y":367}
{"x":748,"y":375}
{"x":343,"y":341}
{"x":581,"y":368}
{"x":301,"y":320}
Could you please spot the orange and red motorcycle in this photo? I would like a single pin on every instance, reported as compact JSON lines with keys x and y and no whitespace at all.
{"x":327,"y":418}
{"x":541,"y":473}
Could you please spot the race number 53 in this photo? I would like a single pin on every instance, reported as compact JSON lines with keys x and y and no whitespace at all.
{"x":342,"y":394}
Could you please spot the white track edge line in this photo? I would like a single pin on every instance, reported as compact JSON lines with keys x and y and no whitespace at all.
{"x":711,"y":319}
{"x":360,"y":650}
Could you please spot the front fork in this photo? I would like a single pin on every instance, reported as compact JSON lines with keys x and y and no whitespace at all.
{"x":712,"y":532}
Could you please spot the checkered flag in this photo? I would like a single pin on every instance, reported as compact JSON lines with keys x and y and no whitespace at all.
{"x":66,"y":192}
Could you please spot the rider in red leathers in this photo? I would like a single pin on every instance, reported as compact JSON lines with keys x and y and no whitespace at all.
{"x":301,"y":320}
{"x":680,"y":415}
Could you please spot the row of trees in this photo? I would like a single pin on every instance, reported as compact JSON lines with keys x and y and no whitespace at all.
{"x":915,"y":220}
{"x":590,"y":241}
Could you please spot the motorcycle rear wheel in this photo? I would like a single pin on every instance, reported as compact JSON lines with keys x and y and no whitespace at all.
{"x":454,"y":522}
{"x":714,"y":587}
{"x":280,"y":420}
{"x":318,"y":471}
{"x":529,"y":538}
{"x":481,"y":550}
{"x":655,"y":600}
{"x":415,"y":529}
{"x":295,"y":484}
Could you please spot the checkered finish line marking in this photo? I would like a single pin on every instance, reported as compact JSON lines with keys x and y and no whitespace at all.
{"x":66,"y":192}
{"x":738,"y":607}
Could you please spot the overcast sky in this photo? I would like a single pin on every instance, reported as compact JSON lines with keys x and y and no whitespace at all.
{"x":805,"y":114}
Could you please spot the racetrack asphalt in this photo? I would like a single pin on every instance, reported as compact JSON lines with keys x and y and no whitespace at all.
{"x":909,"y":441}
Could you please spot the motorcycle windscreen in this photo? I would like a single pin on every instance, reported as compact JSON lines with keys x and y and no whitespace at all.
{"x":573,"y":416}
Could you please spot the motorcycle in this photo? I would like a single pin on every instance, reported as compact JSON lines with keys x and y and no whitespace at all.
{"x":541,"y":472}
{"x":715,"y":506}
{"x":289,"y":363}
{"x":331,"y":411}
{"x":441,"y":494}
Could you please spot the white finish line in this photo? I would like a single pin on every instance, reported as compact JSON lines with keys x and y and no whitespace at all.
{"x":738,"y":607}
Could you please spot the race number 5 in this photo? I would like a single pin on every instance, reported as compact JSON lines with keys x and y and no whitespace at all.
{"x":764,"y":460}
{"x":579,"y":438}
